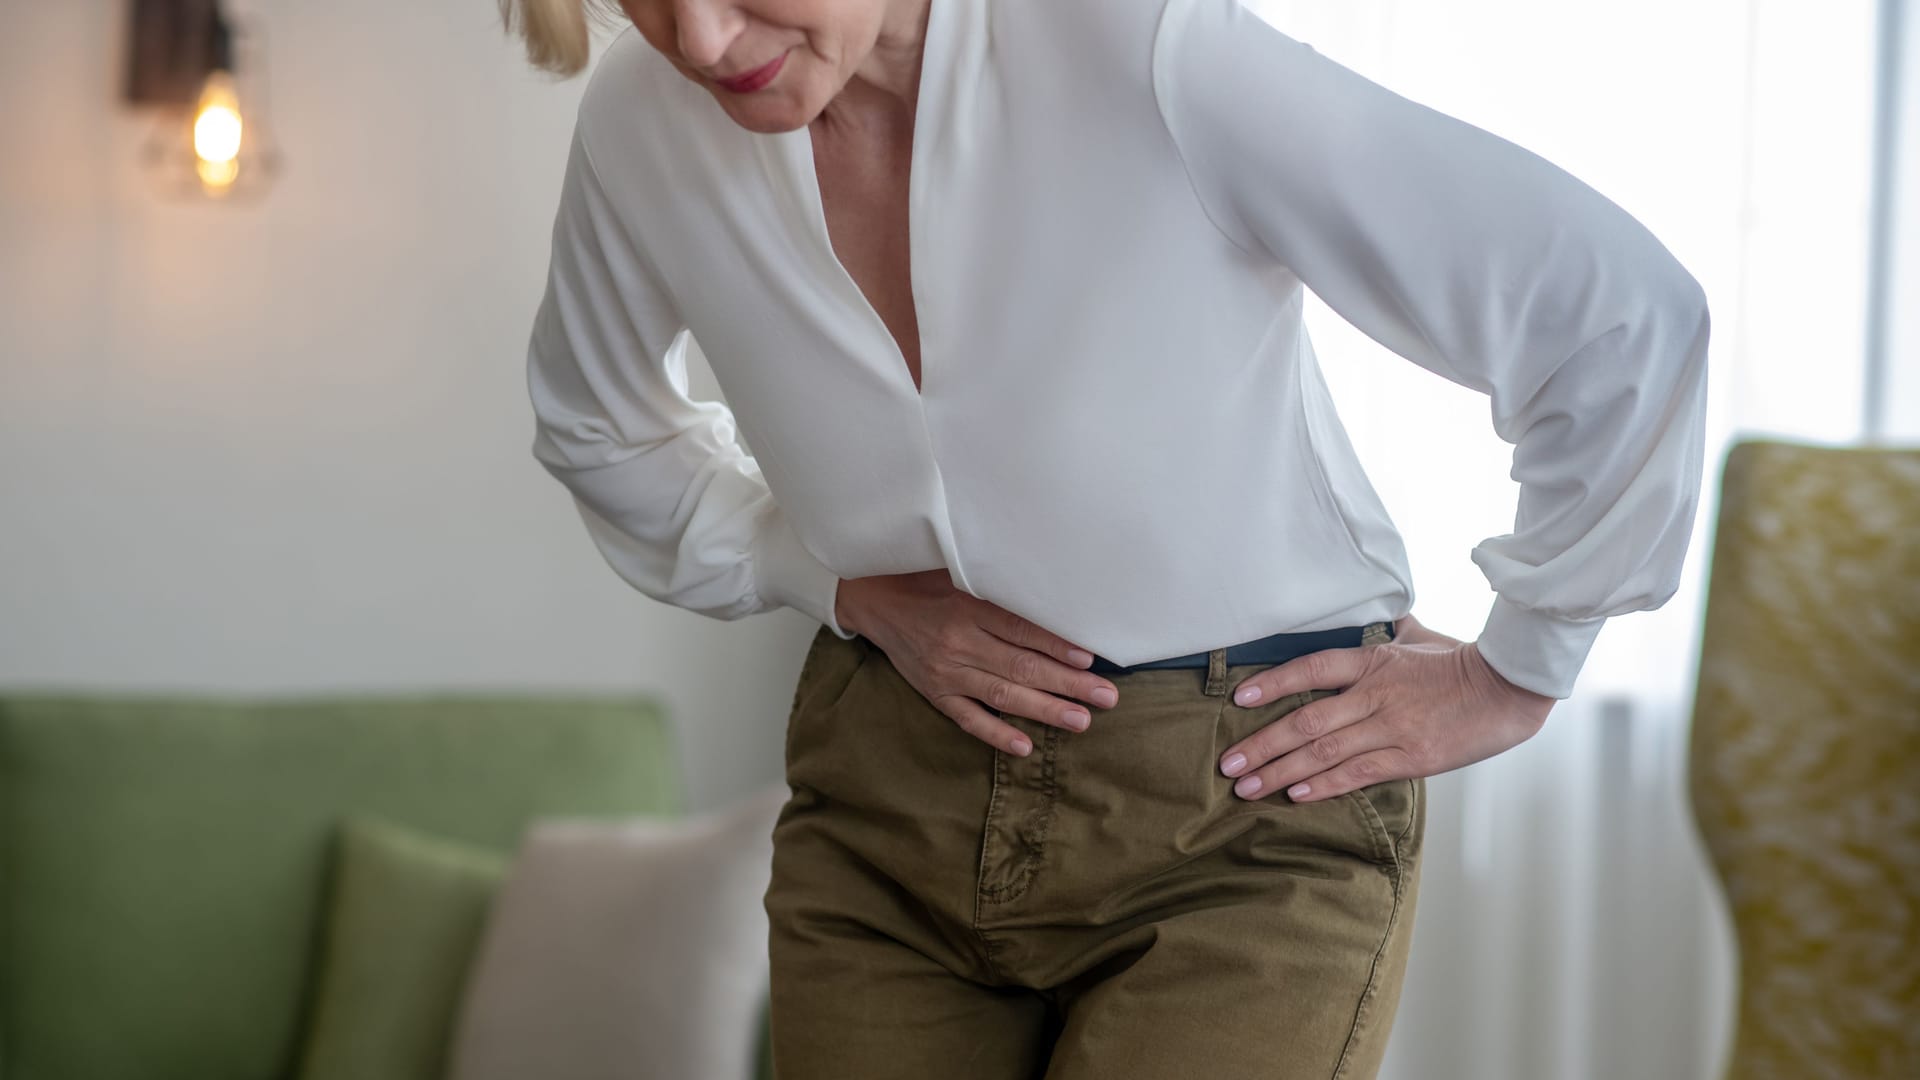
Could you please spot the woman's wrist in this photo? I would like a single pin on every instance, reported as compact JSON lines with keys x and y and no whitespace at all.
{"x":844,"y":606}
{"x":1492,"y":675}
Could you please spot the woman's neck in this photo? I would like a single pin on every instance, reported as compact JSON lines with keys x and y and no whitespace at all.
{"x":889,"y":78}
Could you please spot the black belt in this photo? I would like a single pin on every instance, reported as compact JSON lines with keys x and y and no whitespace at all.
{"x":1269,"y":651}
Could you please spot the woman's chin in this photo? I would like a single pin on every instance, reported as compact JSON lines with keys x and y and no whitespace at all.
{"x":766,"y":114}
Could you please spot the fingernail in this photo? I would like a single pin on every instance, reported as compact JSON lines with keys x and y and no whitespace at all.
{"x":1234,"y":764}
{"x":1080,"y":657}
{"x":1022,"y":747}
{"x":1248,"y":785}
{"x":1247,"y":695}
{"x":1104,"y":696}
{"x":1299,"y":791}
{"x":1078,"y":720}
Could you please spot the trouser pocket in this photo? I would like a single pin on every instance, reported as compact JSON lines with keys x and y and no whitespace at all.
{"x":826,"y":675}
{"x":1393,"y":809}
{"x":1380,"y":823}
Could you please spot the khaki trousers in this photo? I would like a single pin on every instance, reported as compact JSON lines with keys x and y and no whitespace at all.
{"x":1105,"y":907}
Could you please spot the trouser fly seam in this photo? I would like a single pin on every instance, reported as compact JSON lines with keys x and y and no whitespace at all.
{"x":1041,"y":822}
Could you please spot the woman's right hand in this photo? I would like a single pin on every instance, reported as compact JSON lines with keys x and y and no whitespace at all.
{"x":961,"y":651}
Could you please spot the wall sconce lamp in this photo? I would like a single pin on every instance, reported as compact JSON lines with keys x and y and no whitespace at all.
{"x":202,"y":74}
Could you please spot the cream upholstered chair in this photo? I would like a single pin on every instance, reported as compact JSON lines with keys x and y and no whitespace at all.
{"x":1804,"y":763}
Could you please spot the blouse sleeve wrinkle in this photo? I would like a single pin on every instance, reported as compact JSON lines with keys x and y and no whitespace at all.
{"x":674,"y":503}
{"x":1491,"y":267}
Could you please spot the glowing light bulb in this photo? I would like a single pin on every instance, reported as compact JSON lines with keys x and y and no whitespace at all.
{"x":212,"y":134}
{"x":217,"y":130}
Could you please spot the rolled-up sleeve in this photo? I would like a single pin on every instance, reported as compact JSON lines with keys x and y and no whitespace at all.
{"x":675,"y":504}
{"x":1491,"y":267}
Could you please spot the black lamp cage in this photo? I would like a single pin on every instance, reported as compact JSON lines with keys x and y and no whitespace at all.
{"x":173,"y":47}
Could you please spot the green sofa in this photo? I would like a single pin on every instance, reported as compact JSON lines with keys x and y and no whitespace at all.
{"x":164,"y":861}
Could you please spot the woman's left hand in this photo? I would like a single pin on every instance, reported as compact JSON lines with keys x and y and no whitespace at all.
{"x":1421,"y":704}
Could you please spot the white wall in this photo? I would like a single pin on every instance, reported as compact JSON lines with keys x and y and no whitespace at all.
{"x":286,"y":447}
{"x":1902,"y":414}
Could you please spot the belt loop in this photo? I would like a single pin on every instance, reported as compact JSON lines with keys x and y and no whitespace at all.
{"x":1217,"y":672}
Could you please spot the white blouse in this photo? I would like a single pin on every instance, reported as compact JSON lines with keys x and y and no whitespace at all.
{"x":1123,"y":434}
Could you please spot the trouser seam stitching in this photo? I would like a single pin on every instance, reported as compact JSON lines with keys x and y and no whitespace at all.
{"x":1360,"y":1013}
{"x":1413,"y":814}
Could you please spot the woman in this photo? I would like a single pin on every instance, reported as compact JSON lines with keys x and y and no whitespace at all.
{"x":1006,"y":295}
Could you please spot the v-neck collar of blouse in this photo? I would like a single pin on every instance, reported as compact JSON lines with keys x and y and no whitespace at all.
{"x":789,"y":159}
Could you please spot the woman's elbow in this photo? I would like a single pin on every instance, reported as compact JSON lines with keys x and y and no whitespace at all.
{"x":1679,"y":306}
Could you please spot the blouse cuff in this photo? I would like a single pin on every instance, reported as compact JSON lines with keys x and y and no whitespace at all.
{"x":1534,"y":650}
{"x":786,"y":573}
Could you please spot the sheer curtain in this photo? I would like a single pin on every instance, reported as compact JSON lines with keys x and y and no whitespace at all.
{"x":1568,"y":928}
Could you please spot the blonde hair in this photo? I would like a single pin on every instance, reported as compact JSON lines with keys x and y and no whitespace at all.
{"x":556,"y":31}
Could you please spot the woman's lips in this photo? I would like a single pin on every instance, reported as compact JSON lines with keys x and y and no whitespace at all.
{"x":755,"y":79}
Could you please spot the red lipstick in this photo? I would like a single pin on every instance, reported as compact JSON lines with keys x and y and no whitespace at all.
{"x":755,"y":79}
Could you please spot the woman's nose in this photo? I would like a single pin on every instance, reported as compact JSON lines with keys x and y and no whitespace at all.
{"x":705,"y":29}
